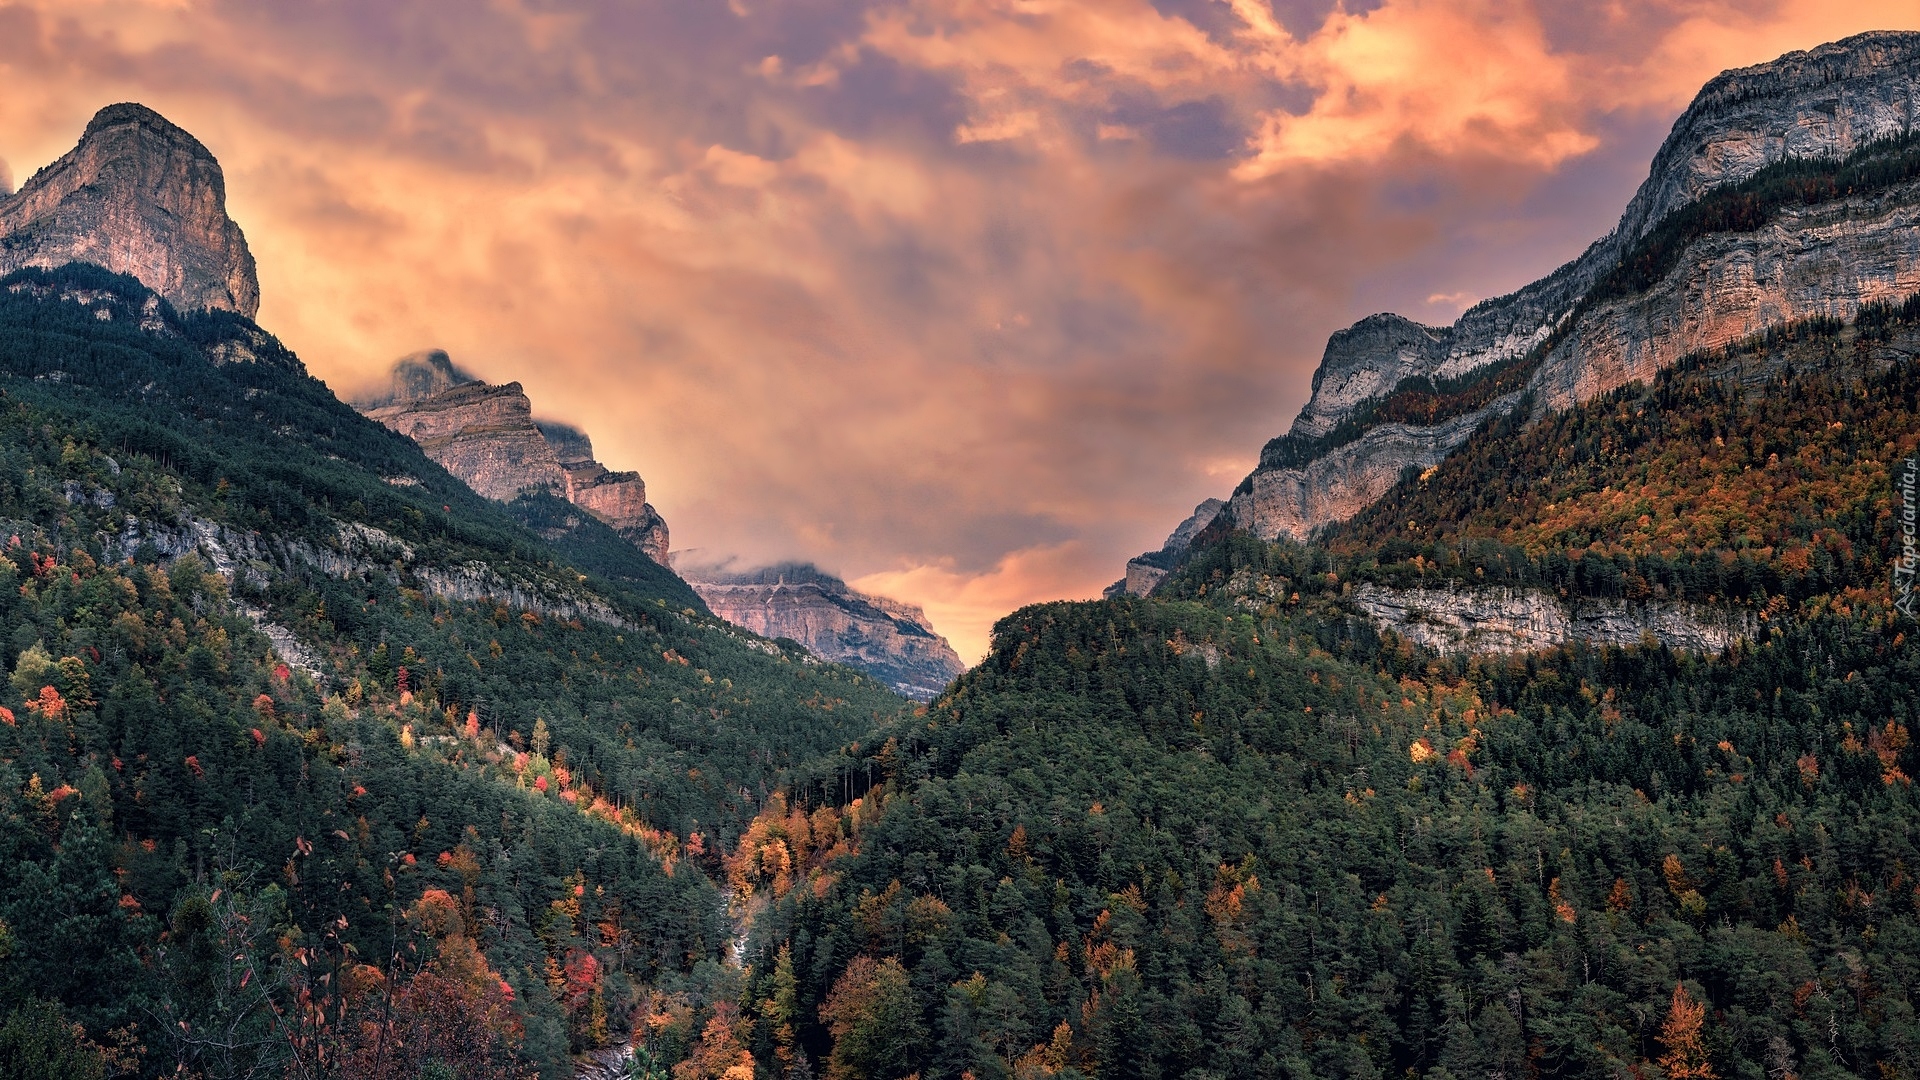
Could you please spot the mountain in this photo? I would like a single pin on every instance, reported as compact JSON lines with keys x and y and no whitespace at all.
{"x":487,"y":436}
{"x":800,"y":602}
{"x":315,"y":762}
{"x":1583,"y":749}
{"x":1785,"y":191}
{"x":617,"y":498}
{"x":138,"y":196}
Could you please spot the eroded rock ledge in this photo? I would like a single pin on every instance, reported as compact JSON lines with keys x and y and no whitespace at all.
{"x":1494,"y":620}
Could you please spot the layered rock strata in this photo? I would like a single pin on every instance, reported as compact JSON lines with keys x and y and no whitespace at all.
{"x":617,"y":498}
{"x":892,"y":640}
{"x":486,"y":435}
{"x":141,"y":197}
{"x":1523,"y":620}
{"x":482,"y":434}
{"x":1814,"y":260}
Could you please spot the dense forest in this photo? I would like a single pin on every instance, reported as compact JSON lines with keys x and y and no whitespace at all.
{"x":1239,"y":831}
{"x":315,"y":764}
{"x":306,"y":769}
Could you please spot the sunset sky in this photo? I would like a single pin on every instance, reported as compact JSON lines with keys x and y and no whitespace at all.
{"x":965,"y":300}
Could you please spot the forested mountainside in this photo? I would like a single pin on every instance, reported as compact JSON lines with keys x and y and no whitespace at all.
{"x":1242,"y":830}
{"x":314,"y":761}
{"x":1785,"y":192}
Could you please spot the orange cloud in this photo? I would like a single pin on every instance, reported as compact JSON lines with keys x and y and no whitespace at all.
{"x":965,"y":605}
{"x":967,"y":300}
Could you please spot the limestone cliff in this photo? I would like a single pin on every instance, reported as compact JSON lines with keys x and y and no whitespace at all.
{"x":486,"y":435}
{"x":1145,"y":571}
{"x":1562,"y":342}
{"x":1522,"y":620}
{"x":892,"y":640}
{"x":138,"y":196}
{"x":617,"y":498}
{"x":482,"y":434}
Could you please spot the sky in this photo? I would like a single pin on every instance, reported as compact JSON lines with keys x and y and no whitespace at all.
{"x":965,"y":300}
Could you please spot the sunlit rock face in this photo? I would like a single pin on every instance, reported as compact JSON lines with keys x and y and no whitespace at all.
{"x":482,"y":434}
{"x":617,"y":498}
{"x":893,"y":641}
{"x":486,"y":435}
{"x":141,"y":197}
{"x":1819,"y":260}
{"x":1524,"y":620}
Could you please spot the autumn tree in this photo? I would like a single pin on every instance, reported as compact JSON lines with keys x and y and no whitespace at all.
{"x":875,"y":1022}
{"x":1681,"y":1034}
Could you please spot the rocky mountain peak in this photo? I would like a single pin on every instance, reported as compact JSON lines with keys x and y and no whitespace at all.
{"x":1564,"y":338}
{"x":486,"y":435}
{"x":415,"y":377}
{"x":139,"y":196}
{"x":1825,"y":102}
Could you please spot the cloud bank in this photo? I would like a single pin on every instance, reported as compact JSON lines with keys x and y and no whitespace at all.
{"x":966,"y":300}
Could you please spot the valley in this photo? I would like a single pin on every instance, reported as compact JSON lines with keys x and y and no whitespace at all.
{"x":1540,"y":706}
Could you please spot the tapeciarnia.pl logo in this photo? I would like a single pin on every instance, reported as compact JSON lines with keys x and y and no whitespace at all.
{"x":1908,"y":561}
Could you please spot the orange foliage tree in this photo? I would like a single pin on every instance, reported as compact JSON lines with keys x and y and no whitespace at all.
{"x":453,"y":1010}
{"x":1681,"y":1034}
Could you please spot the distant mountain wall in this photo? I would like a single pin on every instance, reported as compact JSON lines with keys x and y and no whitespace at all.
{"x":892,"y":640}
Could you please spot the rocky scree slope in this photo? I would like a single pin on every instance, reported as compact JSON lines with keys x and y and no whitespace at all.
{"x":138,"y":196}
{"x":894,"y":641}
{"x":1392,"y":395}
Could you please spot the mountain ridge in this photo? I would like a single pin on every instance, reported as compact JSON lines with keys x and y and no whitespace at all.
{"x":799,"y":601}
{"x":1818,"y":105}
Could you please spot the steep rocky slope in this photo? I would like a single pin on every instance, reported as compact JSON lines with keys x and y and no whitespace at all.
{"x":487,"y":436}
{"x":138,"y":196}
{"x":894,"y":641}
{"x":1580,"y":332}
{"x":617,"y":498}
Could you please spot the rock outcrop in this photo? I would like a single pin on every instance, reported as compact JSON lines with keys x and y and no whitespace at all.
{"x":141,"y":197}
{"x":891,"y":640}
{"x":617,"y":498}
{"x":1523,"y":620}
{"x":486,"y":435}
{"x":482,"y":434}
{"x":1820,"y":260}
{"x":1144,"y":572}
{"x":415,"y":377}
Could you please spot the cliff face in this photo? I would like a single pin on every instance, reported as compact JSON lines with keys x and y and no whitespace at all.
{"x":617,"y":498}
{"x":138,"y":196}
{"x":486,"y":435}
{"x":892,"y":640}
{"x":1523,"y":620}
{"x":1824,"y":259}
{"x":482,"y":434}
{"x":1146,"y":571}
